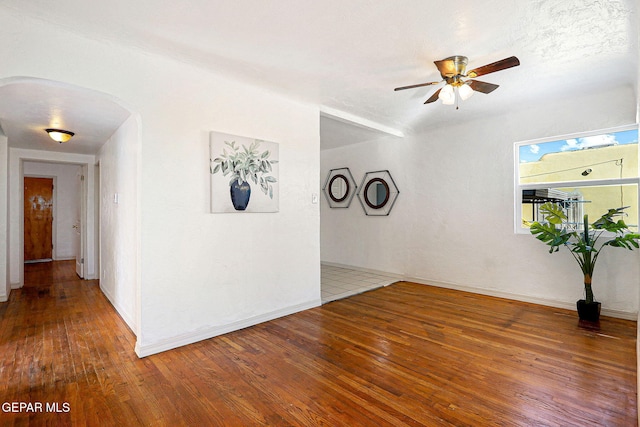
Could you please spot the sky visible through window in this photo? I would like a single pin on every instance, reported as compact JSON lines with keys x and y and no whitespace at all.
{"x":533,"y":152}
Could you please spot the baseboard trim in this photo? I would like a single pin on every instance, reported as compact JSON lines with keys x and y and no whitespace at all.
{"x":37,"y":261}
{"x":367,"y":270}
{"x":144,"y":350}
{"x":121,"y":312}
{"x":517,"y":297}
{"x":489,"y":292}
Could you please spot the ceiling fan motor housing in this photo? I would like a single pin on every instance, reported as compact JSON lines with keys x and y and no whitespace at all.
{"x":458,"y":66}
{"x":453,"y":71}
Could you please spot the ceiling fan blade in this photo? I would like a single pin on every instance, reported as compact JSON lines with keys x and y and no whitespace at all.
{"x":433,"y":97}
{"x":418,"y":85}
{"x":503,"y":64}
{"x":483,"y":87}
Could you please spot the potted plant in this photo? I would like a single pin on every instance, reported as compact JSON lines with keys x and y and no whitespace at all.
{"x":585,"y":244}
{"x":242,"y":165}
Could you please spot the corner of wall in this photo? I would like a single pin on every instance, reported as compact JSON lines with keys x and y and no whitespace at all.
{"x":144,"y":350}
{"x":5,"y":283}
{"x":126,"y":316}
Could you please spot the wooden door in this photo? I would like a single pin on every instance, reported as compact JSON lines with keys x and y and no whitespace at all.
{"x":38,"y":219}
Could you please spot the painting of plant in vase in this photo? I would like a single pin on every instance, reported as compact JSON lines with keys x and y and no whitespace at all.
{"x":244,"y":174}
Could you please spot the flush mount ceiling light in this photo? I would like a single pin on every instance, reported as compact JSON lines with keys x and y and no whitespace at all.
{"x":60,"y":135}
{"x":459,"y":82}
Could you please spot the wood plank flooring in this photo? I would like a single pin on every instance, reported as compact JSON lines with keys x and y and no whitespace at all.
{"x":403,"y":355}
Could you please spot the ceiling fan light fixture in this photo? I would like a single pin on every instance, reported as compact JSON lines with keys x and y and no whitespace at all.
{"x":453,"y":71}
{"x":447,"y":95}
{"x":60,"y":135}
{"x":465,"y":92}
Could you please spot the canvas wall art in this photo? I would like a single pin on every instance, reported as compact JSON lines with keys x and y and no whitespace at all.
{"x":244,"y":174}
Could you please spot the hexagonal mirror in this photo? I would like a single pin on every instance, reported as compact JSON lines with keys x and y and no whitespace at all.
{"x":378,"y":193}
{"x":339,"y":188}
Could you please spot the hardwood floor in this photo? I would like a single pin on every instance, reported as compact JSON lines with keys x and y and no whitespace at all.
{"x":403,"y":355}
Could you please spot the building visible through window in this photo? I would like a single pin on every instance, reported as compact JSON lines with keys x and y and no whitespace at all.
{"x":585,"y":174}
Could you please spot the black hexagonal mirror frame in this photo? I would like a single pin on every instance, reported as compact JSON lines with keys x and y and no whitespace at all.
{"x":378,"y":193}
{"x":339,"y":188}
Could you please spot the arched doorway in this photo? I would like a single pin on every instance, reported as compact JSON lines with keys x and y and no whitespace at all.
{"x":28,"y":106}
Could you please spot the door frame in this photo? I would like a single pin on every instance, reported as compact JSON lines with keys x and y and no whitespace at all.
{"x":17,"y":157}
{"x":54,"y":212}
{"x":97,"y":183}
{"x":80,"y":266}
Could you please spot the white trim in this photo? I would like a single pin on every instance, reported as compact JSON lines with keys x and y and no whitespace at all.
{"x":523,"y":298}
{"x":585,"y":183}
{"x":578,"y":135}
{"x":144,"y":350}
{"x":367,"y":270}
{"x":120,"y":311}
{"x":358,"y":121}
{"x":492,"y":293}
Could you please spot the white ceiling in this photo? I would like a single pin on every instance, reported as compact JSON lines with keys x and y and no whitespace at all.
{"x":28,"y":106}
{"x":347,"y":56}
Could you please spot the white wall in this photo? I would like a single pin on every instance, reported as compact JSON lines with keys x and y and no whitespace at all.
{"x":67,"y":198}
{"x":5,"y":283}
{"x":118,"y":228}
{"x":200,"y":274}
{"x":452,"y":224}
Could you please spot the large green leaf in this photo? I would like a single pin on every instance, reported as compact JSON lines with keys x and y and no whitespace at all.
{"x":550,"y":234}
{"x":585,"y":245}
{"x":628,"y":241}
{"x":553,"y":213}
{"x":607,"y":222}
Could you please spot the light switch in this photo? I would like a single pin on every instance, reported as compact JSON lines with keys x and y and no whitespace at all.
{"x":314,"y":198}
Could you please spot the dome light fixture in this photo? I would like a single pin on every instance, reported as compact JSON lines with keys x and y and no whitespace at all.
{"x":447,"y":95}
{"x":455,"y":88}
{"x":60,"y":135}
{"x":465,"y":91}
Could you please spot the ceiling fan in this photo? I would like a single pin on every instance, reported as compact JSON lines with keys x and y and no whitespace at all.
{"x":453,"y":69}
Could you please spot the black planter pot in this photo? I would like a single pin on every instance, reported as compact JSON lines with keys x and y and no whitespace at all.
{"x":240,"y":194}
{"x":589,"y":312}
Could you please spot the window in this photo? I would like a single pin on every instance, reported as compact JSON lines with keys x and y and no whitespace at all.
{"x":586,"y":173}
